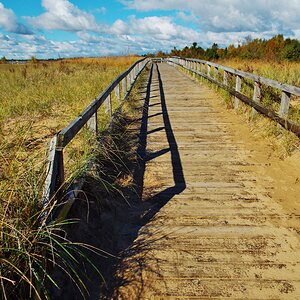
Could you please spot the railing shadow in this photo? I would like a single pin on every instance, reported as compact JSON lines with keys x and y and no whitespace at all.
{"x":118,"y":228}
{"x":136,"y":255}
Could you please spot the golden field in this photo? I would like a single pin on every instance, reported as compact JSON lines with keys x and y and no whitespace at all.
{"x":38,"y":99}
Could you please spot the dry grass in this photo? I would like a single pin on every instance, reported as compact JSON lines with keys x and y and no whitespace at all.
{"x":287,"y":72}
{"x":37,"y":100}
{"x":284,"y":142}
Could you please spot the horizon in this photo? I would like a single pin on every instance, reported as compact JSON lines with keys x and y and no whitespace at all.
{"x":53,"y":29}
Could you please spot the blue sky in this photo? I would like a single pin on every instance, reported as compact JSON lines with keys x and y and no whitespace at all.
{"x":68,"y":28}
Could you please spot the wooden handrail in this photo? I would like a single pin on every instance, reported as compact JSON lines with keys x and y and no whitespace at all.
{"x":267,"y":81}
{"x":55,"y":172}
{"x":287,"y":90}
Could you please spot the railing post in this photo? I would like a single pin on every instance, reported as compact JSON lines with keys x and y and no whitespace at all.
{"x":108,"y":106}
{"x":92,"y":123}
{"x":225,"y":78}
{"x":208,"y":70}
{"x":238,"y":85}
{"x":124,"y":86}
{"x":256,"y":95}
{"x":284,"y":104}
{"x":55,"y":174}
{"x":117,"y":91}
{"x":216,"y":73}
{"x":128,"y":81}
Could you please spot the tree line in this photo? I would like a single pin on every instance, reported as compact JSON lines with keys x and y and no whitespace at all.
{"x":275,"y":49}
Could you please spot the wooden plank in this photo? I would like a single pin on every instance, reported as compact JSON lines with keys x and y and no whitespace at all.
{"x":285,"y":104}
{"x":238,"y":86}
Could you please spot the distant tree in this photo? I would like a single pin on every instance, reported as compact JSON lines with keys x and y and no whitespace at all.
{"x":3,"y":60}
{"x":212,"y":53}
{"x":291,"y":50}
{"x":33,"y":59}
{"x":276,"y":48}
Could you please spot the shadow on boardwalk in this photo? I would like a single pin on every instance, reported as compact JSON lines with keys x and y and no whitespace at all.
{"x":114,"y":228}
{"x":145,"y":211}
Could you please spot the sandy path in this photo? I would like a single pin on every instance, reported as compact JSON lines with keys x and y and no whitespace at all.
{"x":220,"y":229}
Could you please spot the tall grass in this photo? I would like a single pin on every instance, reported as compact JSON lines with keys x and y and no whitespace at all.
{"x":285,"y":72}
{"x":37,"y":100}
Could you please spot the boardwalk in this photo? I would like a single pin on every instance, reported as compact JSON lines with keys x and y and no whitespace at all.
{"x":216,"y":232}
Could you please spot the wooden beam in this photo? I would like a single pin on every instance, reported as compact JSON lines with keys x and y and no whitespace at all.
{"x":238,"y":86}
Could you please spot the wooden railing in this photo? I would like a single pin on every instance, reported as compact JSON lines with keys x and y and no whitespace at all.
{"x":121,"y":86}
{"x":211,"y":72}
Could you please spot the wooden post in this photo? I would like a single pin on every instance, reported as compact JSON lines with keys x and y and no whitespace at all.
{"x":124,"y":86}
{"x":256,"y":95}
{"x":208,"y":70}
{"x":117,"y":91}
{"x":238,"y":85}
{"x":132,"y":76}
{"x":108,"y":106}
{"x":92,"y":123}
{"x":285,"y":104}
{"x":55,"y":173}
{"x":128,"y":81}
{"x":203,"y":68}
{"x":225,"y":78}
{"x":216,"y":73}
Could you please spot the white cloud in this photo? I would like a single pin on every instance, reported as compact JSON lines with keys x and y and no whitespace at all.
{"x":160,"y":28}
{"x":63,"y":15}
{"x":231,"y":15}
{"x":9,"y":22}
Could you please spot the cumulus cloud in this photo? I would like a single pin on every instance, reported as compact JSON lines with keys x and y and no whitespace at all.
{"x":9,"y":22}
{"x":162,"y":28}
{"x":63,"y":15}
{"x":231,"y":15}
